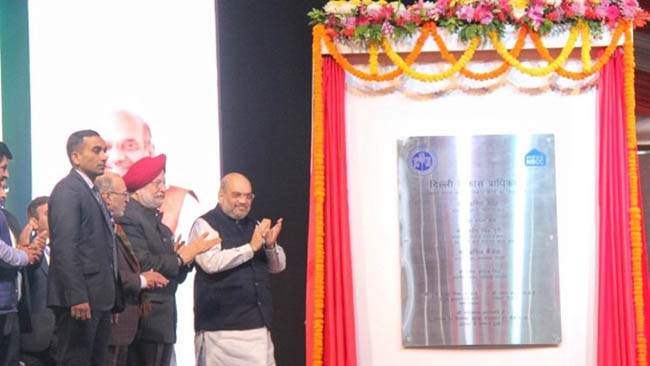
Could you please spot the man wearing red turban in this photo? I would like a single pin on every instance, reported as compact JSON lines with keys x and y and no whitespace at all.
{"x":155,"y":249}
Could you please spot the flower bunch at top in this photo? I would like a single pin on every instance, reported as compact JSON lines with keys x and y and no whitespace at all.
{"x":368,"y":20}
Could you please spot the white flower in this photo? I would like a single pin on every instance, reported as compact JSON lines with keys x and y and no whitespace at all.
{"x":518,"y":13}
{"x":553,"y":3}
{"x":340,"y":7}
{"x":428,"y":5}
{"x":374,"y":6}
{"x":578,"y":1}
{"x":397,"y":6}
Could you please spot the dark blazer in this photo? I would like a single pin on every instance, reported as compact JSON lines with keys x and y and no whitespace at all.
{"x":81,"y":266}
{"x":154,"y":248}
{"x":123,"y":331}
{"x":42,"y":317}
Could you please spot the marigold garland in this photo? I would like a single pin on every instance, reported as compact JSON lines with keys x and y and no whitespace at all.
{"x":444,"y":52}
{"x":373,"y":59}
{"x":347,"y":66}
{"x":397,"y":60}
{"x":635,"y":210}
{"x":561,"y":59}
{"x":604,"y":58}
{"x":585,"y":53}
{"x":318,"y":182}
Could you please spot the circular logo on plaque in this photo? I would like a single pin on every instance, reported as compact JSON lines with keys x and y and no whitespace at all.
{"x":422,"y":161}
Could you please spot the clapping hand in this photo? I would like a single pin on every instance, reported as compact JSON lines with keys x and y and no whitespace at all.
{"x":178,"y":243}
{"x":198,"y":246}
{"x":261,"y":229}
{"x":271,"y":236}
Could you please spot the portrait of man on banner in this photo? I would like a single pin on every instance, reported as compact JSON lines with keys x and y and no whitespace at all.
{"x":128,"y":139}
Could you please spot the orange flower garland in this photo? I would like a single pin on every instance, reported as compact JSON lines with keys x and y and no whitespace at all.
{"x":635,"y":210}
{"x":521,"y":39}
{"x":347,"y":66}
{"x":318,"y":182}
{"x":604,"y":58}
{"x":397,"y":60}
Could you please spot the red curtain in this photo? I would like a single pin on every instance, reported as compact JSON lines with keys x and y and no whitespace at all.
{"x":616,"y":312}
{"x":339,"y":341}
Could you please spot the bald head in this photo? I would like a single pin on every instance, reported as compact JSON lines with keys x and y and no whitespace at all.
{"x":235,"y":195}
{"x":113,"y":191}
{"x":128,"y":141}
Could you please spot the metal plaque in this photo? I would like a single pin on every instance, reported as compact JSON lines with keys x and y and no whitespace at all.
{"x":478,"y":241}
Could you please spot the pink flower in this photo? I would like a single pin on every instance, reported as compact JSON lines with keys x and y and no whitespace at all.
{"x":350,"y":22}
{"x":362,"y":20}
{"x":387,"y":29}
{"x":629,"y":8}
{"x":555,"y":15}
{"x":578,"y":8}
{"x":466,"y":12}
{"x":505,"y":6}
{"x":612,"y":13}
{"x":483,"y":14}
{"x":536,"y":14}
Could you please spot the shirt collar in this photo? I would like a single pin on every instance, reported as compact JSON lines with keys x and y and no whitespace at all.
{"x":85,"y":178}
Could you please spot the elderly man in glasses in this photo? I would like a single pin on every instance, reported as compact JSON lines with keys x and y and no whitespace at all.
{"x":232,"y":298}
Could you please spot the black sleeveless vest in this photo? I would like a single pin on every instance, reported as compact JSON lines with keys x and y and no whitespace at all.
{"x":238,"y":298}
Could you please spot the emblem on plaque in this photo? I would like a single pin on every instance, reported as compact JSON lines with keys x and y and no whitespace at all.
{"x":423,"y":161}
{"x":535,"y":158}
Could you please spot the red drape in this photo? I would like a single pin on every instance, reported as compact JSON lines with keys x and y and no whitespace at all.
{"x":339,"y":331}
{"x":616,"y":313}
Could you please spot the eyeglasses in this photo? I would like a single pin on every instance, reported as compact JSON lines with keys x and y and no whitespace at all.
{"x":247,"y":196}
{"x":122,"y":194}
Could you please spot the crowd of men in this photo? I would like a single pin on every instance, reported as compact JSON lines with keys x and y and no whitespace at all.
{"x":91,"y":279}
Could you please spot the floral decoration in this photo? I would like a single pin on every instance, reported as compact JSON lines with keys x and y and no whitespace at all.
{"x":373,"y":20}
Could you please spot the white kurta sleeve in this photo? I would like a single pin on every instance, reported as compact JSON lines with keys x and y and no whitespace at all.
{"x":216,"y":259}
{"x":276,"y":259}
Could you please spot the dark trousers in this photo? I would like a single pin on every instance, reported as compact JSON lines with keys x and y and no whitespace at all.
{"x":82,"y":342}
{"x":9,"y":340}
{"x":142,"y":353}
{"x":44,"y":358}
{"x":118,"y":355}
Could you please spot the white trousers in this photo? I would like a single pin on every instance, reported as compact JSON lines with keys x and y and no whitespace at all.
{"x":252,"y":347}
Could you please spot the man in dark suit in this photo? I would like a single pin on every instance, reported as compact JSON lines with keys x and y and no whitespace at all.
{"x":38,"y":345}
{"x":155,"y":249}
{"x":83,"y":271}
{"x":125,"y":324}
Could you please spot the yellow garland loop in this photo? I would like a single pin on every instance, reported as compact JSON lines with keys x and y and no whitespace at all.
{"x":636,"y":241}
{"x":318,"y":181}
{"x":586,"y":47}
{"x":374,"y":58}
{"x":604,"y":58}
{"x":397,"y":60}
{"x":347,"y":66}
{"x":561,"y":60}
{"x":444,"y":52}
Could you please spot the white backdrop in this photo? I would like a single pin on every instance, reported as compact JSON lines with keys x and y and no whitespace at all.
{"x":154,"y":58}
{"x":375,"y":120}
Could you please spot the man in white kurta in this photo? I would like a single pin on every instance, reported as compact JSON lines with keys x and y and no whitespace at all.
{"x":232,"y":298}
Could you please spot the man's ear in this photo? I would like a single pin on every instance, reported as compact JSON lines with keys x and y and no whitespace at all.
{"x":74,"y":157}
